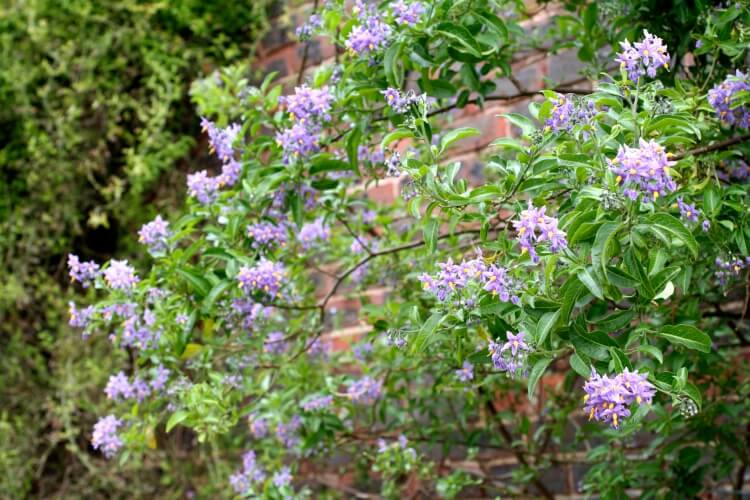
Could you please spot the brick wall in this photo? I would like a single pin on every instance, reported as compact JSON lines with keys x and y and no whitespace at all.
{"x":533,"y":71}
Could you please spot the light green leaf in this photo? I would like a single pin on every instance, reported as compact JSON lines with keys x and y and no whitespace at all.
{"x":687,"y":336}
{"x":536,"y":373}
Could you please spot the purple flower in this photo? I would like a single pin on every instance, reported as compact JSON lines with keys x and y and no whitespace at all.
{"x":250,"y":312}
{"x":82,"y":272}
{"x":221,"y":140}
{"x":317,"y":403}
{"x":287,"y":432}
{"x":368,"y":216}
{"x":275,"y":343}
{"x":399,"y":102}
{"x":306,"y":31}
{"x":728,"y":268}
{"x":706,"y":225}
{"x":510,"y":356}
{"x":309,"y":104}
{"x":365,"y":391}
{"x":644,"y":57}
{"x":299,"y":141}
{"x":393,"y":165}
{"x":535,"y":227}
{"x":155,"y":234}
{"x":373,"y":34}
{"x":266,"y":276}
{"x":105,"y":437}
{"x":362,"y":350}
{"x":242,"y":480}
{"x":687,"y":211}
{"x":466,"y":372}
{"x":230,"y":173}
{"x":643,"y":170}
{"x":313,"y":232}
{"x":120,"y":276}
{"x":160,"y":378}
{"x":698,"y":44}
{"x":407,"y":13}
{"x":258,"y":426}
{"x":498,"y":282}
{"x":721,"y":98}
{"x":282,"y":478}
{"x":79,"y":318}
{"x":118,"y":387}
{"x":562,"y":111}
{"x":202,"y":187}
{"x":608,"y":399}
{"x":267,"y":234}
{"x":453,"y":277}
{"x":141,"y":389}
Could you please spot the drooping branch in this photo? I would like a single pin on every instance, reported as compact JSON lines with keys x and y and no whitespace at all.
{"x":717,"y":146}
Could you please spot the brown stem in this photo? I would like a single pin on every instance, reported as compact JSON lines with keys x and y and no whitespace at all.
{"x":717,"y":146}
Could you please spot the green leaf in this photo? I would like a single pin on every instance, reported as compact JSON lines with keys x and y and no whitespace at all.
{"x":456,"y":135}
{"x":545,"y":325}
{"x":711,"y":200}
{"x":215,"y":292}
{"x":396,"y":135}
{"x":176,"y":418}
{"x":590,"y":283}
{"x":507,"y":143}
{"x":327,"y":164}
{"x":461,"y":36}
{"x":687,"y":336}
{"x":431,"y":233}
{"x":423,"y":336}
{"x":652,"y":351}
{"x":692,"y":391}
{"x":603,"y":242}
{"x":580,"y":366}
{"x":200,"y":285}
{"x":520,"y":121}
{"x":394,"y":72}
{"x":536,"y":373}
{"x":676,"y":228}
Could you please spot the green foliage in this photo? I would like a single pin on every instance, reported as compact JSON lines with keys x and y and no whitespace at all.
{"x":94,"y":115}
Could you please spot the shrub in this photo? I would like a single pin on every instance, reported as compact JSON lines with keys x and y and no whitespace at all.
{"x":608,"y":244}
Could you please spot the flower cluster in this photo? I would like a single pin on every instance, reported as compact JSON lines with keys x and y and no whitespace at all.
{"x":365,"y":391}
{"x":308,"y":108}
{"x":120,"y":276}
{"x":408,"y":14}
{"x":643,"y":170}
{"x":691,"y":214}
{"x":202,"y":186}
{"x":267,"y":234}
{"x":287,"y":433}
{"x":317,"y":403}
{"x":155,"y":234}
{"x":138,"y":331}
{"x":258,"y":426}
{"x":83,"y":272}
{"x":534,"y":227}
{"x":120,"y":388}
{"x":509,"y":356}
{"x":275,"y":343}
{"x":79,"y":318}
{"x":105,"y":438}
{"x":371,"y":35}
{"x":728,"y":268}
{"x":455,"y":277}
{"x":266,"y":276}
{"x":644,"y":57}
{"x":250,"y":473}
{"x":466,"y":372}
{"x":567,"y":113}
{"x":721,"y":99}
{"x":608,"y":399}
{"x":308,"y":104}
{"x":313,"y":232}
{"x":306,"y":31}
{"x":283,"y":477}
{"x":399,"y":102}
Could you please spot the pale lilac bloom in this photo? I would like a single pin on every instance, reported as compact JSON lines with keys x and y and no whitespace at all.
{"x":721,"y":98}
{"x":82,"y":272}
{"x":267,"y":234}
{"x":609,"y":399}
{"x":535,"y":227}
{"x":466,"y":372}
{"x":202,"y":187}
{"x":287,"y":432}
{"x":120,"y":276}
{"x":155,"y":234}
{"x":160,"y":378}
{"x":688,"y":211}
{"x":643,"y":170}
{"x":250,"y":473}
{"x":317,"y":403}
{"x":141,"y":389}
{"x":408,"y":14}
{"x":266,"y":276}
{"x":371,"y":35}
{"x":80,"y":318}
{"x":365,"y":391}
{"x":644,"y":57}
{"x":105,"y":436}
{"x":118,"y":387}
{"x":309,"y":104}
{"x":230,"y":173}
{"x":313,"y":232}
{"x":258,"y":426}
{"x":283,"y":477}
{"x":510,"y":356}
{"x":275,"y":343}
